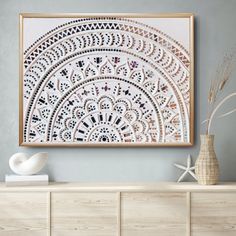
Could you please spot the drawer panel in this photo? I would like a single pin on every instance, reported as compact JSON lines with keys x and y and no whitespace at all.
{"x":84,"y":214}
{"x":153,"y":214}
{"x":23,"y":214}
{"x":213,"y":214}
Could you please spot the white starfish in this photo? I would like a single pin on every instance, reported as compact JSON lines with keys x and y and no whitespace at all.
{"x":187,"y":169}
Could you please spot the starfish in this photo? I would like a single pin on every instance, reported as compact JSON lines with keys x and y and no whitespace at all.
{"x":187,"y":169}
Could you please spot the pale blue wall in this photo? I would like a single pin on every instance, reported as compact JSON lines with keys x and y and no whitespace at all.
{"x":215,"y":34}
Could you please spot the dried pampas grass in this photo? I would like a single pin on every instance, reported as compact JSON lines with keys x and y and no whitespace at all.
{"x":218,"y":83}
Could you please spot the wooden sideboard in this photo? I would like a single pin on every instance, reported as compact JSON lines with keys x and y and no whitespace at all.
{"x":143,"y":209}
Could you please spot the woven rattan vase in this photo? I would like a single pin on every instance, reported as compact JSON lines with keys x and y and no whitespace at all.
{"x":206,"y":166}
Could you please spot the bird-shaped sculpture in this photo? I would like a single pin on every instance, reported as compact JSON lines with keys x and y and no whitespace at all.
{"x":22,"y":164}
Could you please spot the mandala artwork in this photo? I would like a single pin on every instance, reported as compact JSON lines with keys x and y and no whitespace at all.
{"x":106,"y":80}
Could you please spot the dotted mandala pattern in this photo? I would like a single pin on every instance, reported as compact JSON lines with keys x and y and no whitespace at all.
{"x":106,"y":80}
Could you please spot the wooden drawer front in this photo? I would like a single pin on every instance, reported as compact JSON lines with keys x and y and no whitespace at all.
{"x":84,"y":214}
{"x":213,"y":214}
{"x":152,"y":214}
{"x":23,"y":214}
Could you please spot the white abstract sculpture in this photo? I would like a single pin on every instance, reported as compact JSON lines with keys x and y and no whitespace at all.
{"x":21,"y":164}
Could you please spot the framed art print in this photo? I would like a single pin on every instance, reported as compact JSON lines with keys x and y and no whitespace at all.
{"x":106,"y":80}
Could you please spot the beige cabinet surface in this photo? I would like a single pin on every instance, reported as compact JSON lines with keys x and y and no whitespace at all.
{"x":23,"y":214}
{"x":213,"y":214}
{"x":153,"y":214}
{"x":77,"y":209}
{"x":84,"y":214}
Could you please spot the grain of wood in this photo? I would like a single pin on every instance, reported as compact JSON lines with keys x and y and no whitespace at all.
{"x":153,"y":214}
{"x":23,"y":214}
{"x":135,"y":210}
{"x":213,"y":214}
{"x":84,"y":214}
{"x":123,"y":187}
{"x":188,"y":216}
{"x":49,"y":213}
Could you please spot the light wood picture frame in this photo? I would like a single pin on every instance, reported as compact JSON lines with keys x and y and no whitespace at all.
{"x":106,"y":80}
